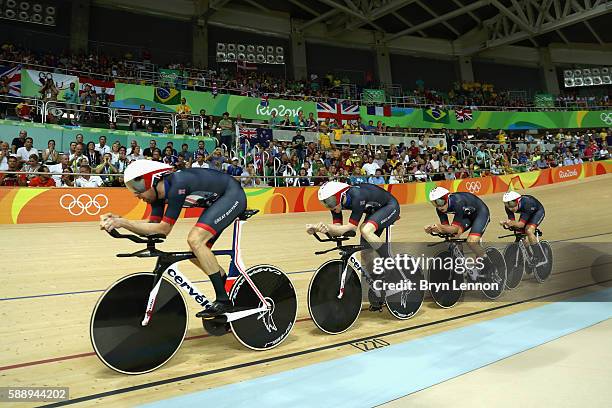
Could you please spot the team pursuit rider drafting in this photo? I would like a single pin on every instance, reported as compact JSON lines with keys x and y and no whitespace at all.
{"x":380,"y":207}
{"x":531,"y":214}
{"x":470,"y":213}
{"x":157,"y":185}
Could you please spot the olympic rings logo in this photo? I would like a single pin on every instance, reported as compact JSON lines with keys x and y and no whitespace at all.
{"x":83,"y":203}
{"x":473,"y":186}
{"x":606,"y":118}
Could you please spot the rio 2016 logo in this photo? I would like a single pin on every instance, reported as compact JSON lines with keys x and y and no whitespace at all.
{"x":568,"y":173}
{"x":281,"y":110}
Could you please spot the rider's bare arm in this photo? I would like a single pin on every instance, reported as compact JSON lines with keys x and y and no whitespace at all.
{"x":337,"y":230}
{"x":448,"y":229}
{"x":520,"y":224}
{"x":110,"y":222}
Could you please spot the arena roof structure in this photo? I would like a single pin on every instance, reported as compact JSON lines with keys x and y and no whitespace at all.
{"x":576,"y":31}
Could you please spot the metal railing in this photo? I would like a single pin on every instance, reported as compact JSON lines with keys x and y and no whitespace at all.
{"x":204,"y":81}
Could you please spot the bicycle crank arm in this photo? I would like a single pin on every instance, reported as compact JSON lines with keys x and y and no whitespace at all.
{"x":244,"y":313}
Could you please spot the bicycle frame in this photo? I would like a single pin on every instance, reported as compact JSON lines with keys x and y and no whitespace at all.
{"x":167,"y":264}
{"x":520,"y":239}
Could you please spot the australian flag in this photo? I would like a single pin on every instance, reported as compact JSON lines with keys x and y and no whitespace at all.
{"x":264,"y":136}
{"x":265,"y":102}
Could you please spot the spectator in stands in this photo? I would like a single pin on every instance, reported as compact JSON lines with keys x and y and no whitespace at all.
{"x":377,"y":178}
{"x":93,"y":156}
{"x":79,"y":138}
{"x":357,"y":177}
{"x":89,"y":101}
{"x":148,"y":152}
{"x":85,"y":178}
{"x":200,"y":150}
{"x":325,"y":141}
{"x":102,"y":147}
{"x":184,"y":113}
{"x":135,"y":155}
{"x":274,"y":120}
{"x":122,"y":161}
{"x":234,"y":168}
{"x":50,"y":155}
{"x":71,"y":97}
{"x":169,"y":157}
{"x":138,"y":120}
{"x":156,"y":155}
{"x":31,"y":166}
{"x":13,"y":180}
{"x":227,"y":131}
{"x":78,"y":158}
{"x":298,"y":142}
{"x":249,"y":177}
{"x":42,"y":180}
{"x":19,"y":141}
{"x":49,"y":91}
{"x":24,"y":153}
{"x":105,"y":168}
{"x":590,"y":151}
{"x":187,"y":155}
{"x":4,"y":155}
{"x":23,"y":111}
{"x":115,"y":151}
{"x":369,"y":168}
{"x":200,"y":161}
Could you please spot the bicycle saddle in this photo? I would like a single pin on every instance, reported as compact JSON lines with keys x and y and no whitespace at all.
{"x":247,"y":214}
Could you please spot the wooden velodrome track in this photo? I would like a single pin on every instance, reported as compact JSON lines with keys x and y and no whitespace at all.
{"x":52,"y":275}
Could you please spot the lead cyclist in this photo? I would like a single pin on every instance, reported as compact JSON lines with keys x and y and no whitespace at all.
{"x":167,"y":192}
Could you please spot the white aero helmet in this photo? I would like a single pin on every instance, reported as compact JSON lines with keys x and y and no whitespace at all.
{"x":438,"y":196}
{"x":139,"y":175}
{"x":330,"y":193}
{"x":510,"y":198}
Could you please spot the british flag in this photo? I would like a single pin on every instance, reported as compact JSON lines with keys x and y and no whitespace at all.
{"x":14,"y":79}
{"x":463,"y":115}
{"x":247,"y":134}
{"x":338,"y":111}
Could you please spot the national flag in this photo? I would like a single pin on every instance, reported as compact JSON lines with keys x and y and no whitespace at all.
{"x":397,"y":111}
{"x":379,"y":110}
{"x":435,"y":115}
{"x":14,"y":79}
{"x":167,"y":96}
{"x":97,"y":85}
{"x":337,"y":111}
{"x":247,"y":134}
{"x":247,"y":66}
{"x":265,"y":101}
{"x":264,"y":136}
{"x":463,"y":115}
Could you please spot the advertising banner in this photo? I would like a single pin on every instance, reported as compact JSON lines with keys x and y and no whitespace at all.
{"x":32,"y":82}
{"x":35,"y":205}
{"x":131,"y":96}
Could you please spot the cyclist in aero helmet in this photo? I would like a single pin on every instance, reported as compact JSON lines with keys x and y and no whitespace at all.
{"x":381,"y":210}
{"x":531,"y":214}
{"x":470,"y":213}
{"x":157,"y":185}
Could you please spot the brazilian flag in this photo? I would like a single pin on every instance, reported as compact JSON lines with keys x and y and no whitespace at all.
{"x":435,"y":115}
{"x":167,"y":96}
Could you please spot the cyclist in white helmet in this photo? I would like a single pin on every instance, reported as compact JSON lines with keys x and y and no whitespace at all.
{"x":471,"y":213}
{"x":167,"y":193}
{"x":381,"y":210}
{"x":531,"y":214}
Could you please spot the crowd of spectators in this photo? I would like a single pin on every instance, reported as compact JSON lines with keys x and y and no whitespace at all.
{"x":255,"y":83}
{"x":301,"y":163}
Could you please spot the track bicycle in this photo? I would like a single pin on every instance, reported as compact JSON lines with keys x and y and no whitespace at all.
{"x":335,"y":290}
{"x":140,"y":321}
{"x":519,"y":261}
{"x":446,"y":284}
